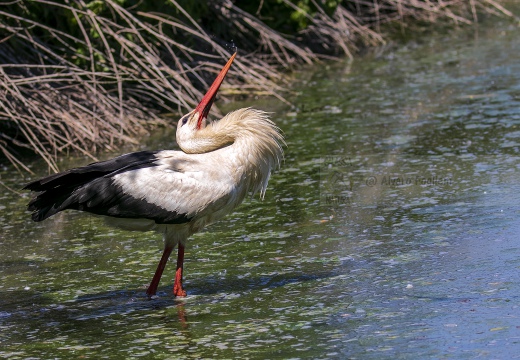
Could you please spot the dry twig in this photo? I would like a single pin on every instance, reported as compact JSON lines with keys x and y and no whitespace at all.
{"x":107,"y":84}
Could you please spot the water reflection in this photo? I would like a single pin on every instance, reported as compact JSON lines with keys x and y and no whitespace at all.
{"x":391,"y":231}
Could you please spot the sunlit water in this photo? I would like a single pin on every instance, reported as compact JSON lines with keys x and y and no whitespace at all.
{"x":390,"y":232}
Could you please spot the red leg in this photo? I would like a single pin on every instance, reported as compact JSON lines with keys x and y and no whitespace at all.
{"x":177,"y":286}
{"x":152,"y":289}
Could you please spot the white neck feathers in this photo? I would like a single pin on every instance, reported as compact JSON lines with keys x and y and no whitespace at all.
{"x":255,"y":140}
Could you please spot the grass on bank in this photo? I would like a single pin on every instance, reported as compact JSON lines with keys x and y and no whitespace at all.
{"x":86,"y":76}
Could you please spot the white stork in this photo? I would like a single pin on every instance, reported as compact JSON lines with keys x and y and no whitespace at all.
{"x":173,"y":192}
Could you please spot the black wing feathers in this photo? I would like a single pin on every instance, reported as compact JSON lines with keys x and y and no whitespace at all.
{"x":90,"y":188}
{"x":101,"y":196}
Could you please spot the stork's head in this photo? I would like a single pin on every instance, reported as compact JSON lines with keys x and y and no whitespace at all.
{"x":195,"y":120}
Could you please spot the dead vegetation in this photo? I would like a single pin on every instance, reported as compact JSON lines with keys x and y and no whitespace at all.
{"x":88,"y":75}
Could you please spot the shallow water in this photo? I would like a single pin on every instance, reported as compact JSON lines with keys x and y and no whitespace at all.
{"x":390,"y":232}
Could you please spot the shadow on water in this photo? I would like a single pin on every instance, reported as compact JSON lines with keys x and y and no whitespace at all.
{"x":106,"y":303}
{"x":207,"y":286}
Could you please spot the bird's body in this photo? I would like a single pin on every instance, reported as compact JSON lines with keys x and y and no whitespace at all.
{"x":177,"y":193}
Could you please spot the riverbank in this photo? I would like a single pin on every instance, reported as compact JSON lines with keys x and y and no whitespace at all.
{"x":92,"y":76}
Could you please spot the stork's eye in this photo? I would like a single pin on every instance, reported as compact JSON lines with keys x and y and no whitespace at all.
{"x":184,"y":120}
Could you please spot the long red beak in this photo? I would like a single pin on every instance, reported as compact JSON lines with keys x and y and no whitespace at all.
{"x":205,"y":105}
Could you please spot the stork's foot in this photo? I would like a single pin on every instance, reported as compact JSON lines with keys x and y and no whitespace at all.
{"x":179,"y":291}
{"x":151,"y":294}
{"x":152,"y":289}
{"x":177,"y":285}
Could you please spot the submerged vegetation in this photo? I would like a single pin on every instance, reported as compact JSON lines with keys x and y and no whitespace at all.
{"x":87,"y":75}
